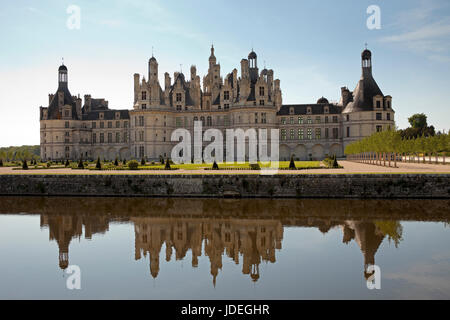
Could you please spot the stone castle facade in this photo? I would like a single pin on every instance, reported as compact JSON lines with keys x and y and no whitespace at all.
{"x":70,"y":130}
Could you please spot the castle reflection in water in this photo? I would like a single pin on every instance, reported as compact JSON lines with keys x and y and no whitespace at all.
{"x":246,"y":241}
{"x":248,"y":231}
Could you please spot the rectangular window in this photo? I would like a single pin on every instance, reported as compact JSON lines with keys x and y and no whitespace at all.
{"x":300,"y":134}
{"x":141,"y":151}
{"x":179,"y":97}
{"x":94,"y":138}
{"x":292,"y":134}
{"x":226,"y":106}
{"x":318,"y":119}
{"x":309,"y":134}
{"x":67,"y":124}
{"x":261,"y":91}
{"x":94,"y":125}
{"x":263,"y":117}
{"x":318,"y":133}
{"x":348,"y":132}
{"x":326,"y":119}
{"x":144,"y":106}
{"x":326,"y":133}
{"x":109,"y":137}
{"x":378,"y":104}
{"x":117,"y":137}
{"x":283,"y":134}
{"x":335,"y":119}
{"x":379,"y":128}
{"x":283,"y":120}
{"x":379,"y":116}
{"x":144,"y":95}
{"x":141,"y":121}
{"x":309,"y":120}
{"x":125,"y":137}
{"x":226,"y":95}
{"x":102,"y":138}
{"x":117,"y":124}
{"x":226,"y":121}
{"x":291,"y":120}
{"x":125,"y":124}
{"x":388,"y":116}
{"x":141,"y":135}
{"x":300,"y":120}
{"x":109,"y":124}
{"x":335,"y":133}
{"x":256,"y":117}
{"x":261,"y":102}
{"x":178,"y":107}
{"x":179,"y":122}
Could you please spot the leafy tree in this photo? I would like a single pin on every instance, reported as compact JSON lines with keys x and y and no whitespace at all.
{"x":418,"y":121}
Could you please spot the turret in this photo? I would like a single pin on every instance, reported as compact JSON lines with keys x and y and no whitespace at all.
{"x":62,"y":76}
{"x":366,"y":63}
{"x":212,"y":58}
{"x":152,"y":70}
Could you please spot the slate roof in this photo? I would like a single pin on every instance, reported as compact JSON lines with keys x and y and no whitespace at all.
{"x":53,"y":108}
{"x":300,"y":109}
{"x":363,"y":95}
{"x":108,"y":115}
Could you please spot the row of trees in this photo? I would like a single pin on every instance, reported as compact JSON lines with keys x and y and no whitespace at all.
{"x":383,"y":148}
{"x":21,"y":154}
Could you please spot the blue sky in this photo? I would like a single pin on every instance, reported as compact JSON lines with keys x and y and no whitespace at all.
{"x":313,"y":47}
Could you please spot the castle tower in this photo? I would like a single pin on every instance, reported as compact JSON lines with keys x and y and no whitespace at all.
{"x":253,"y":65}
{"x":366,"y":63}
{"x":152,"y":70}
{"x":62,"y":76}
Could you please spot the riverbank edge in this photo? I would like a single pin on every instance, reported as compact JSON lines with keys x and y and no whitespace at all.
{"x":359,"y":186}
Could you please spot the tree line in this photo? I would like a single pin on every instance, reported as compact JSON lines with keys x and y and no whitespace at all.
{"x":385,"y":147}
{"x":22,"y":153}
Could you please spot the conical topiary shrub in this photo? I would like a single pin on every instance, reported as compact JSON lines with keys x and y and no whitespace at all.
{"x":215,"y":166}
{"x":124,"y":162}
{"x":167,"y":166}
{"x":292,"y":164}
{"x":80,"y":164}
{"x":1,"y":162}
{"x":24,"y":165}
{"x":335,"y":163}
{"x":116,"y":162}
{"x":98,"y":166}
{"x":67,"y":163}
{"x":142,"y":162}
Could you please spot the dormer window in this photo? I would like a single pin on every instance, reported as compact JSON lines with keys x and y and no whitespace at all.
{"x":326,"y":110}
{"x":308,"y":110}
{"x":144,"y":95}
{"x":102,"y":115}
{"x":261,"y":91}
{"x":378,"y":104}
{"x":179,"y":97}
{"x":226,"y":95}
{"x":291,"y":110}
{"x":117,"y":115}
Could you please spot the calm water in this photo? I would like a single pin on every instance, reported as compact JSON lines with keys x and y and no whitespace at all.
{"x":223,"y":249}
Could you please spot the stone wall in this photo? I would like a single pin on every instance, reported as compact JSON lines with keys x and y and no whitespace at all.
{"x":279,"y":186}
